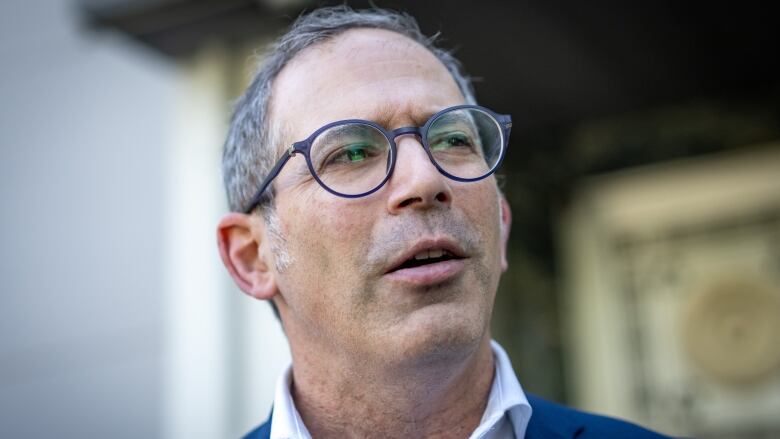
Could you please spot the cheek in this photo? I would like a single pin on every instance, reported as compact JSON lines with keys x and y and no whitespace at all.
{"x":327,"y":241}
{"x":480,"y":204}
{"x":482,"y":209}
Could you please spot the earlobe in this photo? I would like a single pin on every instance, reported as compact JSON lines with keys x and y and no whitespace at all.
{"x":506,"y":224}
{"x":239,"y":237}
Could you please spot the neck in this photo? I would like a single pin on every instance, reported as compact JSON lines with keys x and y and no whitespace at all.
{"x":441,"y":398}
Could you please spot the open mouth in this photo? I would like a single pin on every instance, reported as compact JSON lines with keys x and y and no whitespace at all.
{"x":426,"y":257}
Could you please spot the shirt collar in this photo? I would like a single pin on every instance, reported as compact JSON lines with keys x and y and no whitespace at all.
{"x":506,"y":403}
{"x":286,"y":422}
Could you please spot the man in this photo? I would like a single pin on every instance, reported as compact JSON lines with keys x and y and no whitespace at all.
{"x":360,"y":176}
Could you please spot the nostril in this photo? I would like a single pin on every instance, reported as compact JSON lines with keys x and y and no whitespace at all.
{"x":441,"y":197}
{"x":409,"y":201}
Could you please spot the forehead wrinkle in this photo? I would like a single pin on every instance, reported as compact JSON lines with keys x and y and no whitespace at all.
{"x":390,"y":116}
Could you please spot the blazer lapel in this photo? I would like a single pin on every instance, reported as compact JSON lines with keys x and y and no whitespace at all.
{"x":548,"y":421}
{"x":263,"y":431}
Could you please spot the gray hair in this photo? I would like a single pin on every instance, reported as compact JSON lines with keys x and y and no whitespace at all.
{"x":251,"y":145}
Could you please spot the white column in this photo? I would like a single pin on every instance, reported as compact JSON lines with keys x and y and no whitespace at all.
{"x":196,"y":317}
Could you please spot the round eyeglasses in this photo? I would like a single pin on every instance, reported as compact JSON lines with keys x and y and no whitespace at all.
{"x":354,"y":158}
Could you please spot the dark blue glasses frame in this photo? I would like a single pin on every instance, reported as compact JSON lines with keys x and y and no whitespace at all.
{"x":304,"y":146}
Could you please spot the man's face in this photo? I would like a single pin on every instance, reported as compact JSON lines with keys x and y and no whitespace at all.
{"x":350,"y":288}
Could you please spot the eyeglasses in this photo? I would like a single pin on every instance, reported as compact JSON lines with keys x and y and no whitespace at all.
{"x":354,"y":158}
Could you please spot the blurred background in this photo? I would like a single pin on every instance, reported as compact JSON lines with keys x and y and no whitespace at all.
{"x":643,"y":174}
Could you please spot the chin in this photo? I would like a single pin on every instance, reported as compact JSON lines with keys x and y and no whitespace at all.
{"x":439,"y":332}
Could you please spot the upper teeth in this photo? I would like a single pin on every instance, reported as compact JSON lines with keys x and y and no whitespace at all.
{"x":428,"y":254}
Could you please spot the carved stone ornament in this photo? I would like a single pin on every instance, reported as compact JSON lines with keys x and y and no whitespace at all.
{"x":731,"y":331}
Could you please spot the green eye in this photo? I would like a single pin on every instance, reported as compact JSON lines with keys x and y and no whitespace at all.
{"x":451,"y":140}
{"x":352,"y":154}
{"x":355,"y":154}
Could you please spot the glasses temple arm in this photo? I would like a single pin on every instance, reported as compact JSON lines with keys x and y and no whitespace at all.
{"x":258,"y":198}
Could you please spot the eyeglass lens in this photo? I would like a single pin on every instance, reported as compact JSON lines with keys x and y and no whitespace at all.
{"x":355,"y":158}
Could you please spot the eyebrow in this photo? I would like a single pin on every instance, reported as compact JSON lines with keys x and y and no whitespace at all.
{"x":457,"y":117}
{"x":340,"y":131}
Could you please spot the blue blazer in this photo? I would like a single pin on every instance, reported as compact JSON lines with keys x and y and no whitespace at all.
{"x":549,"y":421}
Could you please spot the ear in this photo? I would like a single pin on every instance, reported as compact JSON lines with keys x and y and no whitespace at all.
{"x":506,"y":224}
{"x":240,"y":238}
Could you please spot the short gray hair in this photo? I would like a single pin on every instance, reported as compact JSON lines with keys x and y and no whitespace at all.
{"x":250,"y":148}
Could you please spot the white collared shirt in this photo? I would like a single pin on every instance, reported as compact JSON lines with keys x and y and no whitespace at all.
{"x":506,"y":415}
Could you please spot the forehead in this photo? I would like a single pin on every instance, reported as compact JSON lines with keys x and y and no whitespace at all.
{"x":369,"y":74}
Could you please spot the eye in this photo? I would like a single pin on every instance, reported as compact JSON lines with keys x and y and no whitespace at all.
{"x":451,"y":140}
{"x":355,"y":154}
{"x":351,"y":154}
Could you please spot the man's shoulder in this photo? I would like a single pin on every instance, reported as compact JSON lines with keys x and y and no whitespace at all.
{"x":551,"y":420}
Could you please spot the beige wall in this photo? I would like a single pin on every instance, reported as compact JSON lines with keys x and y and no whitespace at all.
{"x":673,"y":295}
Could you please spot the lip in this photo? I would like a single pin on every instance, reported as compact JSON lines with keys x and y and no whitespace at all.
{"x":428,"y":274}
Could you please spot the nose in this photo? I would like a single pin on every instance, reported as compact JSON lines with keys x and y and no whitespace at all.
{"x":416,"y":183}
